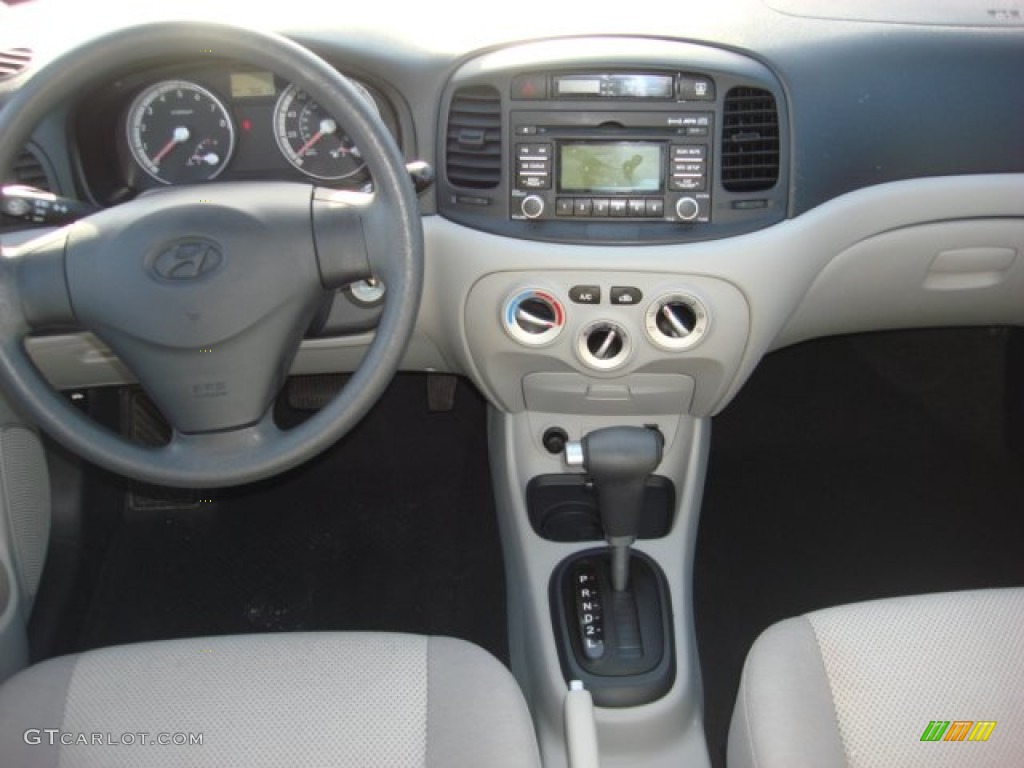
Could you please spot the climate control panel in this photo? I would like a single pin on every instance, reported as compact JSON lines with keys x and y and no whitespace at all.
{"x":605,"y":342}
{"x":674,"y":322}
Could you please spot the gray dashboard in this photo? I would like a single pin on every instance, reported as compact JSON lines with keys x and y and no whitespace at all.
{"x":899,"y":180}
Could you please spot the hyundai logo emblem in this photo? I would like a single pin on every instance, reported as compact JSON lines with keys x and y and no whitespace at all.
{"x":187,"y":259}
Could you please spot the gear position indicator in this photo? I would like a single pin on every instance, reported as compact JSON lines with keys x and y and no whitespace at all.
{"x":589,"y":612}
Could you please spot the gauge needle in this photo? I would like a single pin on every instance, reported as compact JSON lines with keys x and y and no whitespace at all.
{"x":327,"y":127}
{"x":179,"y":136}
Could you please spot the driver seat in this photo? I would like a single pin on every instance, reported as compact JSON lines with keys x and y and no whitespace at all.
{"x":290,"y":699}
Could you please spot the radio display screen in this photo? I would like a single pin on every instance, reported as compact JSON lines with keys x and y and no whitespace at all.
{"x":610,"y":167}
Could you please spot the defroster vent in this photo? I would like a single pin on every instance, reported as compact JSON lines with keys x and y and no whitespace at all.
{"x":474,"y":138}
{"x":750,"y":140}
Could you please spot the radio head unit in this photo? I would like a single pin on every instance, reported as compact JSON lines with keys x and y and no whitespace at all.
{"x":649,"y":166}
{"x":613,"y":140}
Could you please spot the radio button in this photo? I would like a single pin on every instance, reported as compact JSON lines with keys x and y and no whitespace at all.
{"x":533,"y":151}
{"x":687,"y":208}
{"x":585,"y":294}
{"x":583,"y":206}
{"x":600,"y":206}
{"x":532,"y":206}
{"x":655,"y":208}
{"x":638,"y":208}
{"x":536,"y":181}
{"x":691,"y":152}
{"x":617,"y":207}
{"x":687,"y":184}
{"x":564,"y":206}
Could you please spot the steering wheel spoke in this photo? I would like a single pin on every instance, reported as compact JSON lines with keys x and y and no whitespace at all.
{"x":36,"y":273}
{"x":230,"y":445}
{"x":341,"y":219}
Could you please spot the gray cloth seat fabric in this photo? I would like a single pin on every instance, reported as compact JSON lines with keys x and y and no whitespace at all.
{"x":297,"y":699}
{"x":861,"y":685}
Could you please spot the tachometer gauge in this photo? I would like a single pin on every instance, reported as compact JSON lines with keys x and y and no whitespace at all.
{"x":179,"y":132}
{"x":312,"y":140}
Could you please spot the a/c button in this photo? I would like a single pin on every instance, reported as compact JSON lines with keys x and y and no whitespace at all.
{"x":585,"y":294}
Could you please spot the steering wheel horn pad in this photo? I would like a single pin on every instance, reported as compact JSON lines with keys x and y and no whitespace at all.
{"x":215,"y":286}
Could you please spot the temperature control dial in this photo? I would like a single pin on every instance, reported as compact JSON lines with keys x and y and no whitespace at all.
{"x":533,"y":317}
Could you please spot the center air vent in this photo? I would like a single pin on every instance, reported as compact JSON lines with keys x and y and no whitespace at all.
{"x":750,"y":141}
{"x":473,"y":139}
{"x":13,"y":61}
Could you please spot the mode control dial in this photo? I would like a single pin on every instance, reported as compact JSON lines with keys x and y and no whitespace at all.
{"x":604,"y":345}
{"x":533,"y":317}
{"x":687,"y":208}
{"x":676,"y":321}
{"x":532,"y":206}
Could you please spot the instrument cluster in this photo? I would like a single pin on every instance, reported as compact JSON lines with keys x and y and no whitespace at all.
{"x":185,"y":126}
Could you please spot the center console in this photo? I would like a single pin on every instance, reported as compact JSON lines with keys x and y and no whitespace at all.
{"x":590,"y":356}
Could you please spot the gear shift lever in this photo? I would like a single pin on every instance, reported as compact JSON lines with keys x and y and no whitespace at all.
{"x":619,"y":459}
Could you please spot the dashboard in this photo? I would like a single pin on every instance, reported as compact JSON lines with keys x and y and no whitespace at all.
{"x":664,"y":197}
{"x":660,"y":198}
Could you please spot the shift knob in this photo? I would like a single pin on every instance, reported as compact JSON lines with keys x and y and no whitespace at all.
{"x":619,"y":460}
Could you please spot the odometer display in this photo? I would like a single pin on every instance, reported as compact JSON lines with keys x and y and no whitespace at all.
{"x":312,"y":140}
{"x":179,"y":132}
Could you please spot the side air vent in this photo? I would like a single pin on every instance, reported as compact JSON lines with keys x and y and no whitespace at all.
{"x":13,"y":61}
{"x":750,"y":141}
{"x":474,"y":138}
{"x":30,"y":171}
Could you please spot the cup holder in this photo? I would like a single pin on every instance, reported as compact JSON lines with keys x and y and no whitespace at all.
{"x":563,"y":508}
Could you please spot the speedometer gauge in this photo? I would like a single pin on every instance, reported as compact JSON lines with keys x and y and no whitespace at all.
{"x":312,"y":140}
{"x":179,"y":132}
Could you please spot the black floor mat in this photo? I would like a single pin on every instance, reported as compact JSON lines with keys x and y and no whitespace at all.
{"x":850,"y":469}
{"x":391,"y":529}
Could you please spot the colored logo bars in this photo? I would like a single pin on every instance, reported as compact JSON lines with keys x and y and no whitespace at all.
{"x":958,"y":730}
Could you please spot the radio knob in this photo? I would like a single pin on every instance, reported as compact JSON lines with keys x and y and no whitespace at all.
{"x":532,"y":206}
{"x":687,"y":208}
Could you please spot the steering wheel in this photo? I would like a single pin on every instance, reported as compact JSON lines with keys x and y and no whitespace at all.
{"x":205,"y":291}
